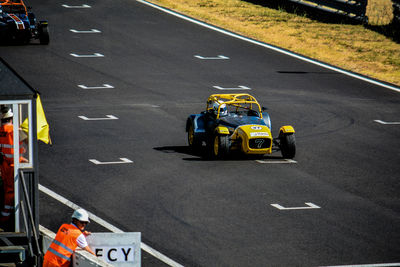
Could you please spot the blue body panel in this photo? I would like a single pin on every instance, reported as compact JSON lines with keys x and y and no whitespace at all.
{"x":199,"y":125}
{"x":232,"y":120}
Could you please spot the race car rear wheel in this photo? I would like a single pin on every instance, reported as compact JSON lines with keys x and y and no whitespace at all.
{"x":287,"y":145}
{"x":44,"y":35}
{"x":193,"y":142}
{"x":221,"y":146}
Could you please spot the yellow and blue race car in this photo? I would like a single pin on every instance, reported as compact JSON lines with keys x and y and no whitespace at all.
{"x":236,"y":122}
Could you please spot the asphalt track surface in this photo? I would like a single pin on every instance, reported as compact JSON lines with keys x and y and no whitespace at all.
{"x":195,"y":211}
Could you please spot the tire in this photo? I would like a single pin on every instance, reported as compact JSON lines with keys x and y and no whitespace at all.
{"x":194,"y":143}
{"x":220,"y":146}
{"x":287,"y":145}
{"x":44,"y":37}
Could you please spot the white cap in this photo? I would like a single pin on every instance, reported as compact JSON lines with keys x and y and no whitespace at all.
{"x":8,"y":114}
{"x":81,"y":215}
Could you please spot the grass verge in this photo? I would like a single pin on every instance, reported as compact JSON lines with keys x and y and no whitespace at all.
{"x":351,"y":47}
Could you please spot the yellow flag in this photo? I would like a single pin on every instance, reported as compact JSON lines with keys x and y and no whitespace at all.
{"x":42,"y":125}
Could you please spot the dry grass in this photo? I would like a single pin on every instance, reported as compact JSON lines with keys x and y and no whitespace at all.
{"x":380,"y":12}
{"x":352,"y":47}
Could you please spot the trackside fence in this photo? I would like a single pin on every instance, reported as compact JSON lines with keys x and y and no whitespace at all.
{"x":348,"y":10}
{"x":353,"y":9}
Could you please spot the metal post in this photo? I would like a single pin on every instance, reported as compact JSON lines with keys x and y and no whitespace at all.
{"x":16,"y":166}
{"x":26,"y":195}
{"x":34,"y":148}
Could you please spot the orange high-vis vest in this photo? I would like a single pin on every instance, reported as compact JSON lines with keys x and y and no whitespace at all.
{"x":7,"y":167}
{"x":7,"y":143}
{"x":63,"y":246}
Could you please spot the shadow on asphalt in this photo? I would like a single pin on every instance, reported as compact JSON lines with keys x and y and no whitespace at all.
{"x":201,"y":155}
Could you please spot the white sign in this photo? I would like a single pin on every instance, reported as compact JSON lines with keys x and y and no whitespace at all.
{"x":118,"y":249}
{"x":116,"y":253}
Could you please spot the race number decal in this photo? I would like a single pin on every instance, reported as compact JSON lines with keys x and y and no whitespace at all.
{"x":259,"y":143}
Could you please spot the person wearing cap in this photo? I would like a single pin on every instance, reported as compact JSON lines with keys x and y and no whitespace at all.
{"x":68,"y":238}
{"x":7,"y":162}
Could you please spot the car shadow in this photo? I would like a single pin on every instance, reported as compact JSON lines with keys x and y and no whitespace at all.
{"x":4,"y":43}
{"x":201,"y":154}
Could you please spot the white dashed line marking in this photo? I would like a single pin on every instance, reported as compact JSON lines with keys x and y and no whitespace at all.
{"x":81,"y":6}
{"x":240,"y":87}
{"x":123,"y":161}
{"x":212,"y":58}
{"x":92,"y":55}
{"x":309,"y":206}
{"x":90,"y":31}
{"x":367,"y":265}
{"x":108,"y":117}
{"x":387,"y":122}
{"x":270,"y":161}
{"x":105,"y":86}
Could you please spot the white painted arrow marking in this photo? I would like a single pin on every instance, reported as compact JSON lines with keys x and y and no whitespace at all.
{"x":123,"y":161}
{"x":241,"y":87}
{"x":108,"y":117}
{"x":387,"y":122}
{"x":285,"y":161}
{"x":217,"y":57}
{"x":105,"y":86}
{"x":90,"y":31}
{"x":368,"y":265}
{"x":93,"y":55}
{"x":309,"y":206}
{"x":81,"y":6}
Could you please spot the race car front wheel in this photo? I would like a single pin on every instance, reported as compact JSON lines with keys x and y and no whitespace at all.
{"x":221,"y":146}
{"x":193,"y":141}
{"x":287,"y":145}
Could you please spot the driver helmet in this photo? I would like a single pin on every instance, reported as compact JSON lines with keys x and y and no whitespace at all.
{"x":223,"y":111}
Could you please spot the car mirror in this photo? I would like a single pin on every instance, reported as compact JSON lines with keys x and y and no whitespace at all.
{"x":264,"y":108}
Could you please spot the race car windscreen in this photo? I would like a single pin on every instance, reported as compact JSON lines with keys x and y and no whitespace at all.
{"x":247,"y":109}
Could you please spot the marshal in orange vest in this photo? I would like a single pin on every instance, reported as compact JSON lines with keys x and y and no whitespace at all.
{"x":63,"y":246}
